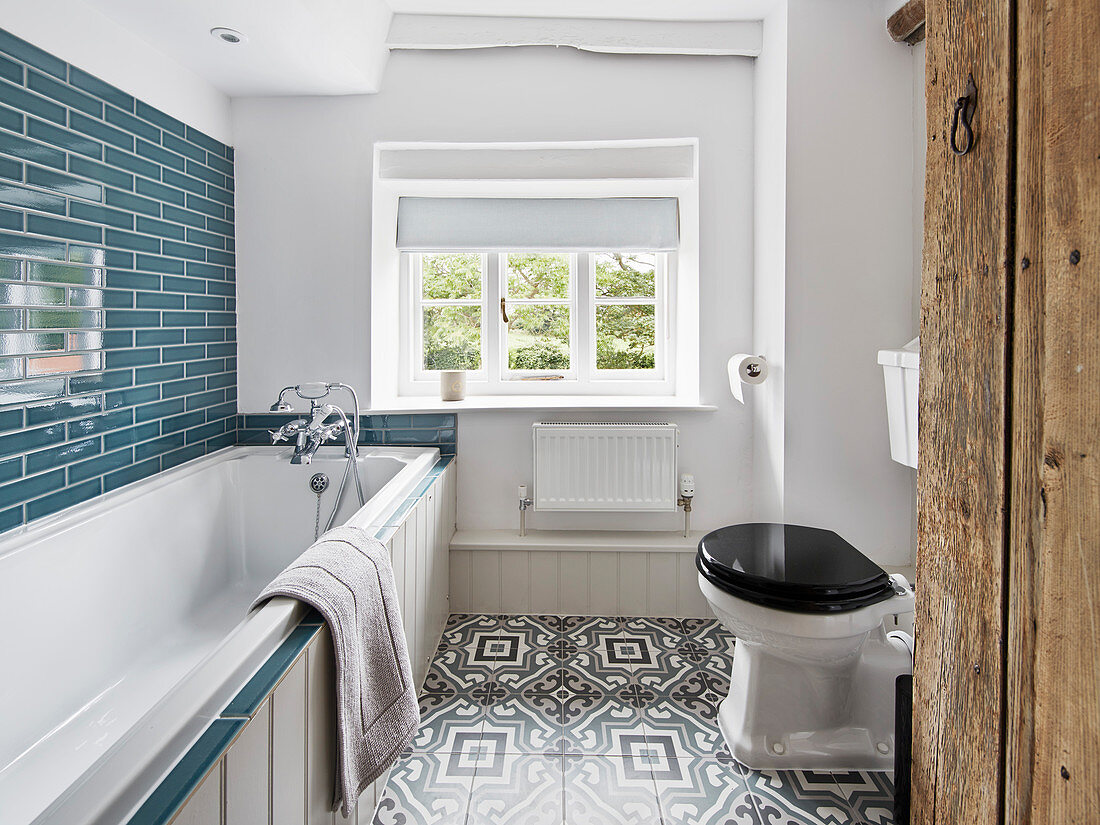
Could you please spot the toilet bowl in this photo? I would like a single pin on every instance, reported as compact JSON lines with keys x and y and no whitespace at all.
{"x":812,"y":683}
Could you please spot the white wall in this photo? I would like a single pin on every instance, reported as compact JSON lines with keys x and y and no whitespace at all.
{"x":85,"y":37}
{"x":303,"y":180}
{"x":303,"y":235}
{"x":849,"y":270}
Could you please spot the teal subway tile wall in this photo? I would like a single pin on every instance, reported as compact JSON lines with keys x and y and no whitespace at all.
{"x":117,"y":288}
{"x":394,"y":430}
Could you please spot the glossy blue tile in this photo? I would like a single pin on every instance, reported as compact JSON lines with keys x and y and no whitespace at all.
{"x":157,"y":263}
{"x":31,"y":487}
{"x":69,"y":497}
{"x":160,"y":156}
{"x":206,"y":206}
{"x":97,"y":88}
{"x":24,"y":52}
{"x":55,"y":227}
{"x":101,"y":131}
{"x":63,"y":94}
{"x":162,"y":229}
{"x":131,"y":474}
{"x":27,"y":392}
{"x":65,"y":454}
{"x":15,"y":195}
{"x":155,"y":375}
{"x":184,"y":148}
{"x":28,"y":150}
{"x":131,"y":435}
{"x":98,"y":424}
{"x":253,"y":694}
{"x":131,"y":163}
{"x":132,"y":125}
{"x":131,"y":202}
{"x":161,"y":409}
{"x":64,"y":274}
{"x":158,"y":337}
{"x":94,"y":189}
{"x":100,"y":465}
{"x":148,"y":449}
{"x":97,"y":171}
{"x":159,"y":191}
{"x":60,"y":410}
{"x":193,"y":219}
{"x":18,"y":98}
{"x":64,"y":139}
{"x":115,"y":380}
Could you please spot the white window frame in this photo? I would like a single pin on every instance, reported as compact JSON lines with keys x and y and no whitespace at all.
{"x":397,"y":383}
{"x":495,"y":377}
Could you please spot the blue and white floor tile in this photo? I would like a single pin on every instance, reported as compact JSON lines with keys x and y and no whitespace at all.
{"x":581,"y":720}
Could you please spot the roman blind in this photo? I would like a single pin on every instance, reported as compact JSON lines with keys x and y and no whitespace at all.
{"x":636,"y":224}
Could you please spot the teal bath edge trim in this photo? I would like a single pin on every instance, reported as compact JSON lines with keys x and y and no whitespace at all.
{"x":118,"y":354}
{"x":259,"y":687}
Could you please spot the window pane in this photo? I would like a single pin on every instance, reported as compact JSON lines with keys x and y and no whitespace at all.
{"x":538,"y":337}
{"x":451,"y":275}
{"x":452,"y":338}
{"x":625,"y":275}
{"x":531,"y":275}
{"x":626,"y":337}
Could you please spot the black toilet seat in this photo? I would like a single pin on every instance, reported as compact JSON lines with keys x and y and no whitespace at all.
{"x":788,"y":567}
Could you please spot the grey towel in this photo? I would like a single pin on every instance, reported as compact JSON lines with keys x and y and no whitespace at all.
{"x":346,"y":575}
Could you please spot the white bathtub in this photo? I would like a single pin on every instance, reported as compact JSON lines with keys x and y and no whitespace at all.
{"x":127,"y":618}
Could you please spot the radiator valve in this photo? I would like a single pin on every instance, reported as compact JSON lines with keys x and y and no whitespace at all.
{"x":524,"y":504}
{"x":687,"y":493}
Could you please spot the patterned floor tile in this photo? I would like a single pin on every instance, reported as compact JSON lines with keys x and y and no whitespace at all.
{"x":525,"y":666}
{"x":539,"y":631}
{"x":587,"y":631}
{"x":799,"y":798}
{"x":609,"y":790}
{"x":426,"y":789}
{"x":547,"y":720}
{"x":870,"y":794}
{"x":441,"y":717}
{"x":518,"y":790}
{"x":460,"y":667}
{"x":533,"y":723}
{"x":601,"y":725}
{"x":703,"y":791}
{"x":688,"y":729}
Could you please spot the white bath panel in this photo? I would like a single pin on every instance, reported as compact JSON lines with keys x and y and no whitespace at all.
{"x":288,"y":748}
{"x":247,"y":777}
{"x":595,"y":582}
{"x":205,"y":805}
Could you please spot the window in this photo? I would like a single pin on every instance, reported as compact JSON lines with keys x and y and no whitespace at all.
{"x":580,"y":318}
{"x":566,"y":269}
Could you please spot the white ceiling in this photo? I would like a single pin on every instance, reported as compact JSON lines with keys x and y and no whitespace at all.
{"x":333,"y":47}
{"x":294,"y":47}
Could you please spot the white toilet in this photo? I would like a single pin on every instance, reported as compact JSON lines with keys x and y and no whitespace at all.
{"x":814,"y":666}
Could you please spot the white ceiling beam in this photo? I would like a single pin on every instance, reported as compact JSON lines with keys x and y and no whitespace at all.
{"x":432,"y":31}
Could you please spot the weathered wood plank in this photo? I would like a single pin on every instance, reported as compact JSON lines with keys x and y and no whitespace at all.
{"x":1026,"y":458}
{"x":961,"y":480}
{"x":1065,"y":781}
{"x":907,"y":23}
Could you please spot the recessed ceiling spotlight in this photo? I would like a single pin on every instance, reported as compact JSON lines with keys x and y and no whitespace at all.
{"x":231,"y":36}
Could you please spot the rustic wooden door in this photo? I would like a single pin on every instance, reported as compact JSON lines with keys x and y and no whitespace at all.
{"x":1007,"y":680}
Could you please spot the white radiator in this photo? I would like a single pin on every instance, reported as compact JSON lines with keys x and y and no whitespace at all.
{"x":605,"y":467}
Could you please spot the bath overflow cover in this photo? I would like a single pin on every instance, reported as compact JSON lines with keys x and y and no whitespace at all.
{"x":318,"y":483}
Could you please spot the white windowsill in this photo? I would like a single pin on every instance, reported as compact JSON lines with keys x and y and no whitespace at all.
{"x":541,"y":402}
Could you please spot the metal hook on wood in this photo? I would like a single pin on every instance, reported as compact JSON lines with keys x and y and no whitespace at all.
{"x":964,"y":114}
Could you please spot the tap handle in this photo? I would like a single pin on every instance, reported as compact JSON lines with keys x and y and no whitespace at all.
{"x":276,"y":436}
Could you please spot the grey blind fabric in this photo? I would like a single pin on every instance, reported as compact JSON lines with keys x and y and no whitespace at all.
{"x":537,"y":224}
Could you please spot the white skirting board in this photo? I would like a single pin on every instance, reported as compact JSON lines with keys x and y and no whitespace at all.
{"x":594,"y":583}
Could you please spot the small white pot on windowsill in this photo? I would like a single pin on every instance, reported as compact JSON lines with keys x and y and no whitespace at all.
{"x":452,"y":385}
